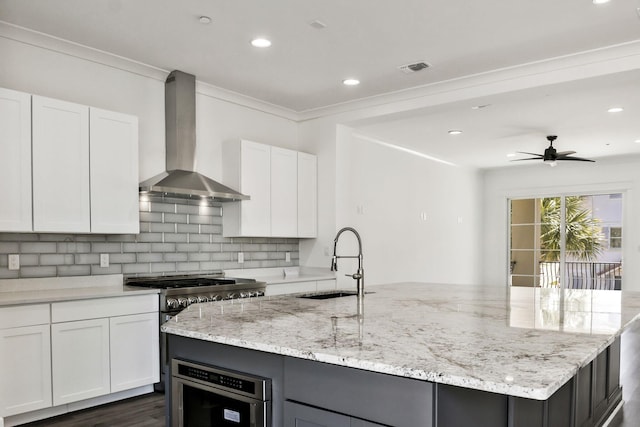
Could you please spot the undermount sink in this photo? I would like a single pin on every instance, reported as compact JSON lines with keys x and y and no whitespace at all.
{"x":329,"y":295}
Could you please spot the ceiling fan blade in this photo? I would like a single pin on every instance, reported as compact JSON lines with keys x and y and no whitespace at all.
{"x":577,"y":159}
{"x":529,"y":158}
{"x":565,"y":153}
{"x":531,"y":154}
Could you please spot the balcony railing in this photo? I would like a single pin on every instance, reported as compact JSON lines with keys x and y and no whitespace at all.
{"x":583,"y":275}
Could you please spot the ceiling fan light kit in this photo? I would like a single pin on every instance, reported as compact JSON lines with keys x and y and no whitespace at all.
{"x":551,"y":156}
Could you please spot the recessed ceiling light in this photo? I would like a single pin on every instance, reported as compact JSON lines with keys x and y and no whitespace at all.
{"x":637,"y":141}
{"x":455,"y":132}
{"x":615,"y":109}
{"x":260,"y":42}
{"x":480,"y":107}
{"x":601,"y":1}
{"x":511,"y":155}
{"x":351,"y":82}
{"x":204,"y":20}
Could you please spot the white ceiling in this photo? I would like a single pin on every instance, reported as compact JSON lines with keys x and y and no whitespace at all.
{"x":368,"y":39}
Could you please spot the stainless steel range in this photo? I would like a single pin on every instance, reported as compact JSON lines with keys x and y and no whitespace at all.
{"x":177,"y":292}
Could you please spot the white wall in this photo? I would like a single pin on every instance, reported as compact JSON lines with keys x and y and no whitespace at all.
{"x":606,"y":175}
{"x":382,"y":192}
{"x":218,"y":121}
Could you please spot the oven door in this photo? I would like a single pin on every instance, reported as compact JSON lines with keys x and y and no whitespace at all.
{"x":199,"y":405}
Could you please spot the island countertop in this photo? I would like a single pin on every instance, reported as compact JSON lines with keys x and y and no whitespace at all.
{"x":522,"y":342}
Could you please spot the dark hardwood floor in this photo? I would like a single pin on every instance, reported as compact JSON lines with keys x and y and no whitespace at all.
{"x":142,"y":411}
{"x":148,"y":410}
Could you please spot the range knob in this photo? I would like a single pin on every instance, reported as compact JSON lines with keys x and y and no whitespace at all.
{"x":203,"y":298}
{"x":183,"y":302}
{"x":231,"y":295}
{"x":193,"y":300}
{"x":215,"y":298}
{"x":172,"y":303}
{"x":245,"y":294}
{"x":259,"y":293}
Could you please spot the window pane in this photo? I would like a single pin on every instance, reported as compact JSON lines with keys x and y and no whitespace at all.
{"x":523,"y":237}
{"x":523,"y":211}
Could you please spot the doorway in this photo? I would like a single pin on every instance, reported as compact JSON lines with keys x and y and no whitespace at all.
{"x":566,"y":241}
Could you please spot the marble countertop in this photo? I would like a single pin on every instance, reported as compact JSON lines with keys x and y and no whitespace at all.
{"x":55,"y":289}
{"x":520,"y":341}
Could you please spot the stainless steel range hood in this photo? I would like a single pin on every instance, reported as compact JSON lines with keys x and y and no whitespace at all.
{"x":180,"y":178}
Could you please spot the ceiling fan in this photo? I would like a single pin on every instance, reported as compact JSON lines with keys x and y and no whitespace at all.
{"x":551,"y":156}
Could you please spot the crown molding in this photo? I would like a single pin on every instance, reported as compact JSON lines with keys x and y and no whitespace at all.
{"x":580,"y":65}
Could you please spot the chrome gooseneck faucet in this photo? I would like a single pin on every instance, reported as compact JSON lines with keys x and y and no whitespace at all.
{"x":359,"y":274}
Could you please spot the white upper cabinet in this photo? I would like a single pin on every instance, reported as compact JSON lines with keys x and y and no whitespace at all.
{"x":248,"y":169}
{"x":284,"y":192}
{"x":114,"y":172}
{"x":66,"y":167}
{"x":15,"y":161}
{"x":282,"y":186}
{"x":60,"y":166}
{"x":307,"y":195}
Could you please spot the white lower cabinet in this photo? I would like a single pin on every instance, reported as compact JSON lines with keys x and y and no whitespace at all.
{"x":134,"y":351}
{"x":297,"y":415}
{"x":326,"y":285}
{"x":25,"y":369}
{"x":56,"y":354}
{"x":80,"y":360}
{"x":297,"y":287}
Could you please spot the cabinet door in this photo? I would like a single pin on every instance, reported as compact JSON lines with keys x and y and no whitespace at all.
{"x":60,"y":166}
{"x":134,"y":351}
{"x":255,"y":178}
{"x":15,"y":161}
{"x":80,"y":360}
{"x":25,"y":369}
{"x":307,"y":195}
{"x":296,"y":415}
{"x":114,"y":172}
{"x":284,"y":192}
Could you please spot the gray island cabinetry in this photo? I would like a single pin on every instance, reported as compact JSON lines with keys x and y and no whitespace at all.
{"x":421,"y":355}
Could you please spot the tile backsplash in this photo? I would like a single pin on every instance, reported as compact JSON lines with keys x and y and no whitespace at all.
{"x":176,"y":236}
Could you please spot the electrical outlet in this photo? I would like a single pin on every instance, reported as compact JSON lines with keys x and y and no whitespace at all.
{"x":14,"y":262}
{"x":104,"y":260}
{"x":240,"y":257}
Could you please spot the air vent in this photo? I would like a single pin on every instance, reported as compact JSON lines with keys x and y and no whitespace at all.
{"x":412,"y":68}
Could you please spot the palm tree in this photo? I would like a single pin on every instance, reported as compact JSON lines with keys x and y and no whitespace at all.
{"x":583,"y":237}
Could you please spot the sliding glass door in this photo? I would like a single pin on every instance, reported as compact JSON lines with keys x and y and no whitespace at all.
{"x":569,"y":241}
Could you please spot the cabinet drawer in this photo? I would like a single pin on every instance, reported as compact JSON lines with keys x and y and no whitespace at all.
{"x":24,"y":315}
{"x":290,"y":288}
{"x":103,"y":307}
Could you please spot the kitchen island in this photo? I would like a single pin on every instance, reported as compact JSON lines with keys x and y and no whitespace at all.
{"x":423,"y":354}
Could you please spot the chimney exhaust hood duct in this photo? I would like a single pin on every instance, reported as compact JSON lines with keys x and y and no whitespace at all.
{"x":180,"y":178}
